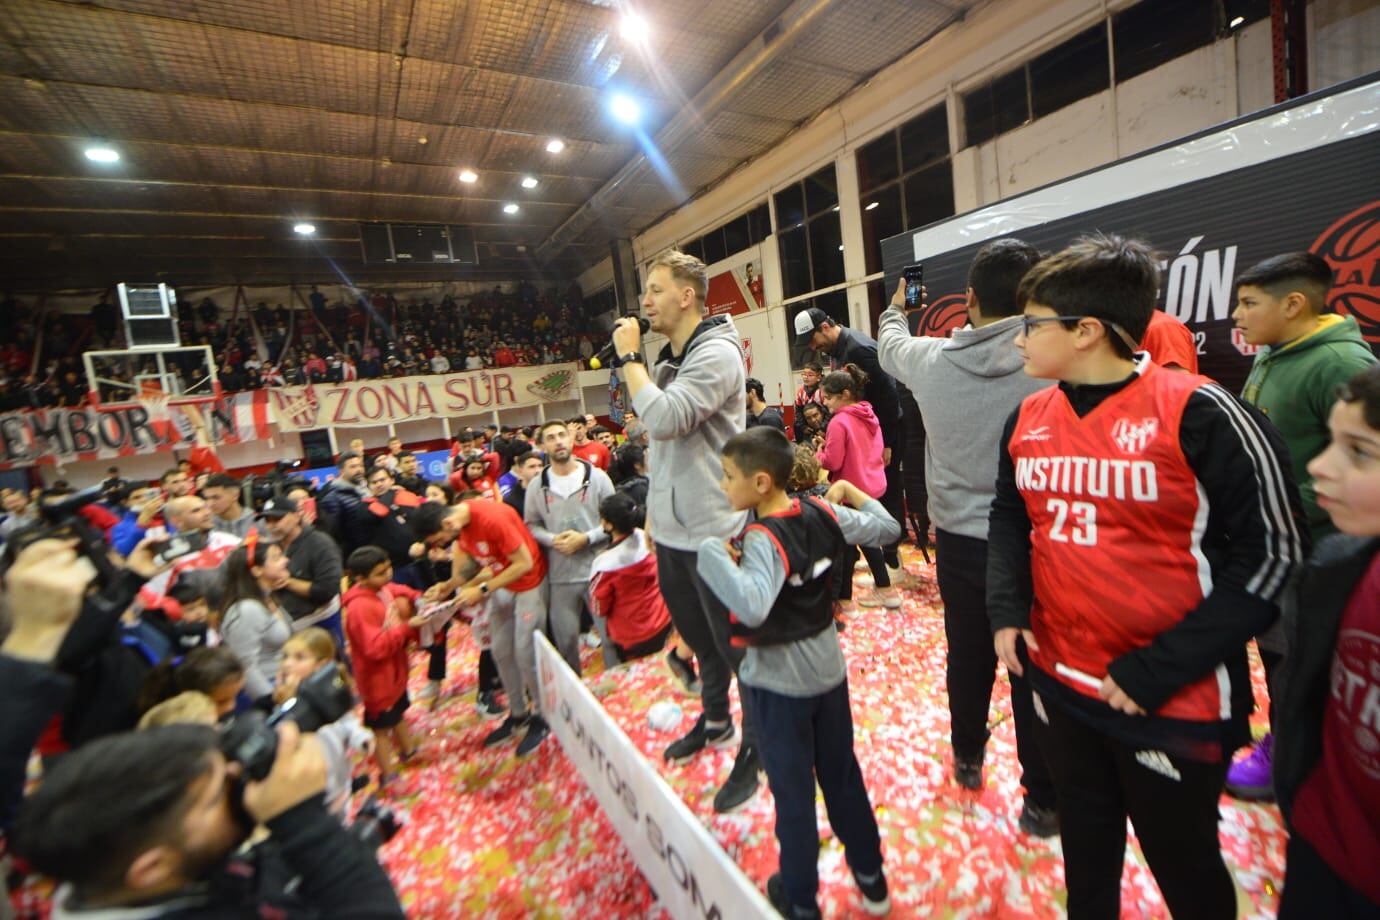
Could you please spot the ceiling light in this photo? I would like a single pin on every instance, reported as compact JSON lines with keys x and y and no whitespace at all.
{"x":840,"y":247}
{"x":529,"y":182}
{"x":421,"y":140}
{"x":468,"y":176}
{"x":102,"y":154}
{"x":634,"y":29}
{"x":510,"y":208}
{"x":836,"y":208}
{"x":304,"y":229}
{"x":1236,"y":22}
{"x":625,"y":108}
{"x":555,"y":145}
{"x":521,"y":248}
{"x":872,"y":205}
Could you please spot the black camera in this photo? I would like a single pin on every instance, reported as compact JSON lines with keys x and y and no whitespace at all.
{"x":375,"y":824}
{"x":250,"y":738}
{"x":60,"y":519}
{"x":284,"y":477}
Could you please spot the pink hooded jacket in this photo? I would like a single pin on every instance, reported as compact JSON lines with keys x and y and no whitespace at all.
{"x":853,"y":449}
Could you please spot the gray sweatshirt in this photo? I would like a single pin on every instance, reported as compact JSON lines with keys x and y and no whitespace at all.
{"x":966,"y":387}
{"x":808,"y":667}
{"x":694,"y":404}
{"x":548,"y":514}
{"x":256,"y":635}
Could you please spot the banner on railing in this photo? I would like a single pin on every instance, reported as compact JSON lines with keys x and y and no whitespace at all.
{"x":71,"y":435}
{"x":689,"y":871}
{"x":368,"y":403}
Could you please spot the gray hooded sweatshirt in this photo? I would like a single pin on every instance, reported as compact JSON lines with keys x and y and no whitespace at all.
{"x":548,"y":514}
{"x":694,"y":404}
{"x":966,"y":387}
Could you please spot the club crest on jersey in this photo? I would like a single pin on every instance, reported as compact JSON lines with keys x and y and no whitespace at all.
{"x":1132,"y":436}
{"x":1037,"y":434}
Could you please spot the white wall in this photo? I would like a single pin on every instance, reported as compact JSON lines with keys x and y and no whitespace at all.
{"x":1225,"y":80}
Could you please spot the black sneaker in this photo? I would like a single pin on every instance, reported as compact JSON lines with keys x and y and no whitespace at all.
{"x":776,"y":894}
{"x":684,"y":673}
{"x":968,"y":773}
{"x":507,"y":729}
{"x":537,"y":730}
{"x":876,"y":898}
{"x":1037,"y":821}
{"x":488,"y":705}
{"x":742,"y":783}
{"x":694,"y":741}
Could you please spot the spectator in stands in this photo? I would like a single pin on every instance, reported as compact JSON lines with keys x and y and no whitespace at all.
{"x":223,"y":493}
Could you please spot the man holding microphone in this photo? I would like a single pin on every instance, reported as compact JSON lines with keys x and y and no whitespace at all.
{"x":692,"y":401}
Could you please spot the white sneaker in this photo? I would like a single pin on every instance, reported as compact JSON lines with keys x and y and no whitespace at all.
{"x":592,"y":640}
{"x":897,"y":574}
{"x":881,"y":597}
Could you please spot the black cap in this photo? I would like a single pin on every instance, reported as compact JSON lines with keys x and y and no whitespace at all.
{"x":806,"y":322}
{"x":277,"y":507}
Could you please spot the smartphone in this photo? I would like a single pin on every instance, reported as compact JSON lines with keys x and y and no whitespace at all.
{"x":171,"y":549}
{"x":914,"y":276}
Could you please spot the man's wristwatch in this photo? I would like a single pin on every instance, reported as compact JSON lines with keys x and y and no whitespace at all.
{"x":632,"y":357}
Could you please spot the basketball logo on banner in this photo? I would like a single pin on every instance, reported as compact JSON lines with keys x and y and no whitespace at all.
{"x":1352,"y":247}
{"x":942,"y":317}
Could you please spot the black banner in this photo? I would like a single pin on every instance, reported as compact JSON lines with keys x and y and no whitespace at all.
{"x":1208,"y":231}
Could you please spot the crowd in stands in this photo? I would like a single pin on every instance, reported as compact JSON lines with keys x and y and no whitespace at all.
{"x":291,"y":344}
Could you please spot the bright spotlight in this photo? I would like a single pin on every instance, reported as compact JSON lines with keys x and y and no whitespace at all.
{"x":625,"y":108}
{"x":468,"y":176}
{"x":529,"y":182}
{"x":1236,"y":22}
{"x":510,"y":208}
{"x":304,"y":229}
{"x":555,"y":145}
{"x":871,"y":205}
{"x":103,"y":154}
{"x":634,"y":29}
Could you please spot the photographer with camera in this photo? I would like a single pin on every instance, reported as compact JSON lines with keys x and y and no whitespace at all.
{"x":145,"y":825}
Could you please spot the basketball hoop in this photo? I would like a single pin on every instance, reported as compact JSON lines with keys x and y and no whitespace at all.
{"x":158,"y":405}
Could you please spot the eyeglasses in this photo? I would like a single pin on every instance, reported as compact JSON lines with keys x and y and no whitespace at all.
{"x":1028,"y":323}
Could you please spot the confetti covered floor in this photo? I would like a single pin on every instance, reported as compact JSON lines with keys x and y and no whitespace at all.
{"x":488,"y":836}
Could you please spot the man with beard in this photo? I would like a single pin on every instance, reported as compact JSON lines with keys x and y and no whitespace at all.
{"x":341,"y":502}
{"x":562,"y":511}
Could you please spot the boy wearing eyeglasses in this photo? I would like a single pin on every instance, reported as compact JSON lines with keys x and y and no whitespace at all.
{"x":1144,"y":525}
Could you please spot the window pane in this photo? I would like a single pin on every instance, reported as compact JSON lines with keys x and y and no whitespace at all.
{"x":826,"y":250}
{"x":822,"y":190}
{"x":736,"y":237}
{"x":759,"y":220}
{"x":877,"y":162}
{"x":714,"y":247}
{"x":1071,"y":71}
{"x":924,"y":138}
{"x":795,"y":262}
{"x":881,"y":218}
{"x":929,"y":195}
{"x":790,"y":206}
{"x":997,"y":107}
{"x":694,"y":247}
{"x":1154,"y":32}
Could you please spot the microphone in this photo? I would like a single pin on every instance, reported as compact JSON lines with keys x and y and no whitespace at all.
{"x":606,"y":352}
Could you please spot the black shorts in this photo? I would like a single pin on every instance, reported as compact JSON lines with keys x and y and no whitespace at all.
{"x":390,"y":717}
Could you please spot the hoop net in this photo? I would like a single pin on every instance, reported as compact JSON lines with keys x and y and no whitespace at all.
{"x":158,"y":405}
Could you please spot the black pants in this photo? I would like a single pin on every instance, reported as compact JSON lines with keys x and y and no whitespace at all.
{"x":1271,"y":661}
{"x":802,"y":740}
{"x":643,"y":649}
{"x":971,"y":667}
{"x":894,"y":501}
{"x":876,"y":561}
{"x":1312,"y":889}
{"x":702,"y":621}
{"x":1172,"y":803}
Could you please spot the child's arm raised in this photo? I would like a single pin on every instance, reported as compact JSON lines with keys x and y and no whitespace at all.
{"x":748,"y":587}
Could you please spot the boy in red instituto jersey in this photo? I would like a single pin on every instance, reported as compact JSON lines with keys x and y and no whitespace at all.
{"x":1145,"y":524}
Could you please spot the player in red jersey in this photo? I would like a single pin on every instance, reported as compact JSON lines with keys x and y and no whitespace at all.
{"x":1144,"y":525}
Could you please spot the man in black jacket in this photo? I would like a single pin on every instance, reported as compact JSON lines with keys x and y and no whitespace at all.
{"x":813,"y":327}
{"x":145,"y":820}
{"x":385,"y":521}
{"x":311,"y":593}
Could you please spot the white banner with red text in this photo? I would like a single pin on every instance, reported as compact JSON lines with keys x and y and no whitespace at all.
{"x":62,"y":436}
{"x":690,"y":873}
{"x":366,"y":403}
